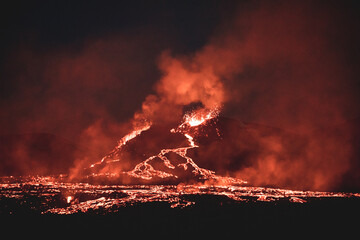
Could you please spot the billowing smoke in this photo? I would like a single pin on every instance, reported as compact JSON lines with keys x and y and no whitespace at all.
{"x":282,"y":68}
{"x":184,"y":82}
{"x":279,"y":64}
{"x":274,"y":64}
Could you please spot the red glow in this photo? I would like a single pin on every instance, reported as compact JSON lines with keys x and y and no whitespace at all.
{"x":146,"y":169}
{"x":105,"y":198}
{"x":197,"y":118}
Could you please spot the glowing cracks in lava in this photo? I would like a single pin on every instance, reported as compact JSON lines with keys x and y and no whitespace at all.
{"x":144,"y":170}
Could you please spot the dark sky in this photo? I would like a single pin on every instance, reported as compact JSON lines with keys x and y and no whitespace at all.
{"x":46,"y":25}
{"x":66,"y":66}
{"x":36,"y":35}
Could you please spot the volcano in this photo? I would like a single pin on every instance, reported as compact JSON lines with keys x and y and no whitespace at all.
{"x":212,"y":149}
{"x":216,"y":150}
{"x":163,"y":171}
{"x":159,"y":154}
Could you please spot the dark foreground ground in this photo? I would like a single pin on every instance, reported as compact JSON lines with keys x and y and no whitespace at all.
{"x":210,"y":216}
{"x":324,"y":217}
{"x":49,"y":205}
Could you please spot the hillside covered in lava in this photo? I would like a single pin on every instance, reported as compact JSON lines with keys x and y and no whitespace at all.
{"x":258,"y":154}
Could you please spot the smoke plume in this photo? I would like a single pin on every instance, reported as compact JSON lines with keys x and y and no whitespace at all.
{"x":281,"y":64}
{"x":274,"y":64}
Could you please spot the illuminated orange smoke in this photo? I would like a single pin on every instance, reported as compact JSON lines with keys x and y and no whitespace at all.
{"x":147,"y":169}
{"x":122,"y":142}
{"x":262,"y":69}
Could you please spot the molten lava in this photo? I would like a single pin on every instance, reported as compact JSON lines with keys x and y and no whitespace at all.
{"x":198,"y":117}
{"x":122,"y":142}
{"x":55,"y":195}
{"x":148,"y":170}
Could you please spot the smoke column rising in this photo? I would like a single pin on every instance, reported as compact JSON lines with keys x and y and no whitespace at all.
{"x":281,"y":64}
{"x":273,"y":64}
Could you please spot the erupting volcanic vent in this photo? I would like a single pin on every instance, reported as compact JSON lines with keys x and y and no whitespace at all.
{"x":181,"y":115}
{"x":169,"y":165}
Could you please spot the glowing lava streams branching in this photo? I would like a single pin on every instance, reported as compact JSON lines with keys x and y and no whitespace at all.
{"x":146,"y":171}
{"x":121,"y":143}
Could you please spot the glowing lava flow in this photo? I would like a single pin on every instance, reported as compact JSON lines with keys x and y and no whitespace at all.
{"x":121,"y":143}
{"x":55,"y":195}
{"x":146,"y":171}
{"x":197,"y":118}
